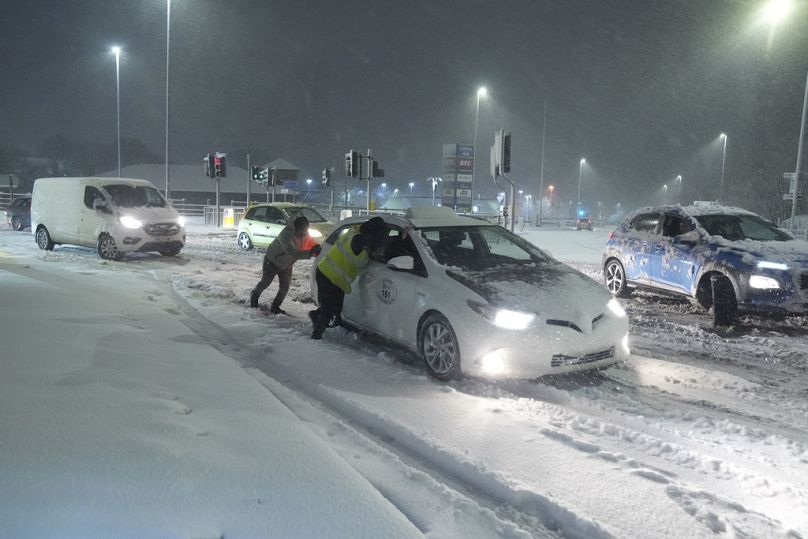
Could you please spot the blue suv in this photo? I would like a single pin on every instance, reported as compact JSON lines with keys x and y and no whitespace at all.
{"x":724,"y":258}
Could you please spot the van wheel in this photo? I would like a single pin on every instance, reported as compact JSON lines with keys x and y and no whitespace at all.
{"x":107,"y":248}
{"x":43,"y":239}
{"x":439,"y":347}
{"x":171,"y":251}
{"x":16,"y":223}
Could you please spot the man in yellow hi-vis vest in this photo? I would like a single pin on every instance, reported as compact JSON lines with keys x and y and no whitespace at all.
{"x":340,"y":267}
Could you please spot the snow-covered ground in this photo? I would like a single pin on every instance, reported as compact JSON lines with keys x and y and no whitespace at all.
{"x":127,"y":405}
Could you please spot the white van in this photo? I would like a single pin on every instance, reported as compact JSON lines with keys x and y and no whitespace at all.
{"x":114,"y":215}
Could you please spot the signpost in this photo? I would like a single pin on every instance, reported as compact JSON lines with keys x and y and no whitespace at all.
{"x":458,"y":166}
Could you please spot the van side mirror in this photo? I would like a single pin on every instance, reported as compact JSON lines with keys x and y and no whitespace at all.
{"x":401,"y":263}
{"x":100,"y":205}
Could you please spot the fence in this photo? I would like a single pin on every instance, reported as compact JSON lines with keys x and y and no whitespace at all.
{"x":5,"y":198}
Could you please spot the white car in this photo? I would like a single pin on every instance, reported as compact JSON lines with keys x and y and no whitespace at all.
{"x":472,"y":297}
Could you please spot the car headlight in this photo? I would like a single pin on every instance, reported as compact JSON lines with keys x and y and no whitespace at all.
{"x":131,"y":222}
{"x":763,"y":282}
{"x":764,"y":264}
{"x":504,"y":318}
{"x":615,"y":308}
{"x":181,"y":221}
{"x":314,"y":233}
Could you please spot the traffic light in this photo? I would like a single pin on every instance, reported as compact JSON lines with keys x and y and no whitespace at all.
{"x":208,"y":159}
{"x":352,"y":164}
{"x":257,"y":174}
{"x":375,"y":171}
{"x":326,"y":177}
{"x":219,"y":165}
{"x":506,"y":152}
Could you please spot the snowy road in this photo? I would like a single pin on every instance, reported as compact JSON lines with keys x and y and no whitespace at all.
{"x":701,"y":433}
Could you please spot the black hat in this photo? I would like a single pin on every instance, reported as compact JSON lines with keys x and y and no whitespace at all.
{"x":372,"y":226}
{"x":300,"y":222}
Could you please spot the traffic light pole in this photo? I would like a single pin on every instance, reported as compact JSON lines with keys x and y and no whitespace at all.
{"x":218,"y":216}
{"x":249,"y":179}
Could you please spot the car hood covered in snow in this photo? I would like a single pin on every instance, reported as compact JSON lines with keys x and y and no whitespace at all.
{"x":554,"y":291}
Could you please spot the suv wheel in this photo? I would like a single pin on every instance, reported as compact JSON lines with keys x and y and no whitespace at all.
{"x":723,"y":300}
{"x":615,"y":277}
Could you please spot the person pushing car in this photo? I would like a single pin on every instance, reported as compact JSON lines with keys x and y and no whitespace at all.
{"x":281,"y":255}
{"x":340,"y":267}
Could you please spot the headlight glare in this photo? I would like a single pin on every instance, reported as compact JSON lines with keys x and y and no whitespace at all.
{"x":615,"y":308}
{"x":762,"y":282}
{"x":181,"y":221}
{"x":314,"y":233}
{"x":130,"y":222}
{"x":504,"y":318}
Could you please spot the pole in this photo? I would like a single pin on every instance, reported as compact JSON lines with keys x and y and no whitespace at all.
{"x":474,"y":161}
{"x":799,"y":160}
{"x":267,"y":188}
{"x":249,"y":179}
{"x":218,"y":215}
{"x":723,"y":162}
{"x":118,"y":103}
{"x":168,"y":50}
{"x":580,"y":176}
{"x":541,"y":169}
{"x":368,"y":157}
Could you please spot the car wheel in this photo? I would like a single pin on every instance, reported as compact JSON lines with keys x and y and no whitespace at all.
{"x":616,"y":279}
{"x":16,"y":223}
{"x":244,"y":241}
{"x":724,"y":302}
{"x":439,"y":347}
{"x":43,"y":239}
{"x":107,"y":248}
{"x":173,"y":251}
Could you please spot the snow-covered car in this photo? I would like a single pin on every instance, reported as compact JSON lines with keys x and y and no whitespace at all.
{"x":471,"y":297}
{"x":263,"y":222}
{"x":584,"y":223}
{"x":722,"y":257}
{"x":18,"y":213}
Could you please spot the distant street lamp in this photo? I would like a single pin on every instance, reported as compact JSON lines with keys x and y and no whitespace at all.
{"x":395,"y":192}
{"x":580,"y":177}
{"x":776,"y":10}
{"x":117,"y":52}
{"x":481,"y":92}
{"x":665,"y":196}
{"x":308,"y":183}
{"x":412,"y":184}
{"x":550,"y":188}
{"x":679,"y":196}
{"x":168,"y":56}
{"x":723,"y":162}
{"x":434,"y":181}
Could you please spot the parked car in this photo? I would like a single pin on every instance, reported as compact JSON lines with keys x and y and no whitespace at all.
{"x":114,"y":215}
{"x":263,"y":222}
{"x":584,"y":224}
{"x":18,"y":213}
{"x":724,"y":258}
{"x":471,"y":297}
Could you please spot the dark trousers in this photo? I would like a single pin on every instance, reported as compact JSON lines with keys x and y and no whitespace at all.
{"x":284,"y":280}
{"x":330,"y":298}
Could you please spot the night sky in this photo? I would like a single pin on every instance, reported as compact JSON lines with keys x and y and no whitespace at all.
{"x":640,"y":88}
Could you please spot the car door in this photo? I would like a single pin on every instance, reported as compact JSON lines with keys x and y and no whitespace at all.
{"x":678,"y":263}
{"x":257,"y":226}
{"x":88,"y":224}
{"x":636,"y":256}
{"x":276,"y":222}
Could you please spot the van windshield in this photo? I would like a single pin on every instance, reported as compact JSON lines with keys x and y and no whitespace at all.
{"x":131,"y":196}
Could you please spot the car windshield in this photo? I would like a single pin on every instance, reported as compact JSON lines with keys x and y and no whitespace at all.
{"x":130,"y":196}
{"x":308,"y":213}
{"x":481,"y":247}
{"x":736,"y":227}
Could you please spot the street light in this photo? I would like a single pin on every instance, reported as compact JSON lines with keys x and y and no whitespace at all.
{"x":395,"y":192}
{"x":776,"y":10}
{"x":580,"y":177}
{"x":550,"y":198}
{"x":723,"y":162}
{"x":168,"y":56}
{"x":665,"y":196}
{"x":434,"y":181}
{"x":308,"y":183}
{"x":412,"y":184}
{"x":481,"y":92}
{"x":679,"y":178}
{"x":117,"y":52}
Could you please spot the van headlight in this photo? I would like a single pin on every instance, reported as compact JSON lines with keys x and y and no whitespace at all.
{"x":615,"y":308}
{"x":131,"y":222}
{"x":503,"y":318}
{"x":763,"y":283}
{"x":181,"y":221}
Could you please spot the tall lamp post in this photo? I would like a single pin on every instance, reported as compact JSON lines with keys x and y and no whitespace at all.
{"x":665,"y":194}
{"x":434,"y":181}
{"x":168,"y":56}
{"x":550,"y":199}
{"x":481,"y":92}
{"x":412,"y":184}
{"x":798,"y":168}
{"x":580,"y":177}
{"x":679,"y":194}
{"x":117,"y":52}
{"x":723,"y":162}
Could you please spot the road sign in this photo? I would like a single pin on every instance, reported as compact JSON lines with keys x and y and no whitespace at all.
{"x":790,"y":196}
{"x":290,"y":184}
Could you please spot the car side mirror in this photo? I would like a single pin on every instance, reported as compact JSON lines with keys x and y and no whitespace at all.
{"x":401,"y":263}
{"x":101,"y":205}
{"x":689,"y":238}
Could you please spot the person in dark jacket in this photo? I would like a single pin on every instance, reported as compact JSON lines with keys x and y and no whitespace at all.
{"x":281,"y":255}
{"x":340,"y":267}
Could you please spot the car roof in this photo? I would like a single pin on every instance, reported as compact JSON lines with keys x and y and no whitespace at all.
{"x":698,"y":208}
{"x":281,"y":205}
{"x":423,"y":217}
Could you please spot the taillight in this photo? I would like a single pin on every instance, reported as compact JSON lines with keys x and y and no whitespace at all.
{"x":610,"y":235}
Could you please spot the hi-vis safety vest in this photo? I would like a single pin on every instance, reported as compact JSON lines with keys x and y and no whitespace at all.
{"x":340,"y":264}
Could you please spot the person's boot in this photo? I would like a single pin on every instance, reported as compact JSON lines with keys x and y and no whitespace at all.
{"x":274,"y":309}
{"x":253,"y":300}
{"x":320,"y":324}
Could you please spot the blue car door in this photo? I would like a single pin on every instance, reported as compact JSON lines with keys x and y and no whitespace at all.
{"x":636,"y":255}
{"x":678,"y":263}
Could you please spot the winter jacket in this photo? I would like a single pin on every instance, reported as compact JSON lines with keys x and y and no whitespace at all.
{"x":286,"y":249}
{"x":342,"y":264}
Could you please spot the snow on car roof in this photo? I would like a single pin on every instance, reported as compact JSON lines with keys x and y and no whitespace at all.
{"x":697,"y":208}
{"x":439,"y":216}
